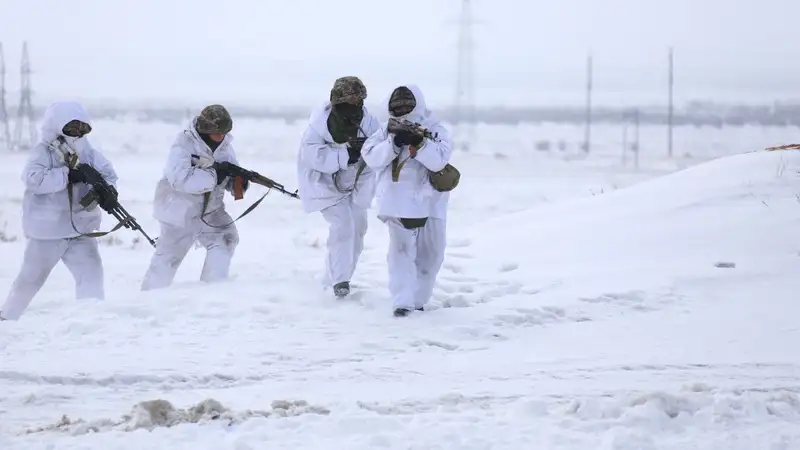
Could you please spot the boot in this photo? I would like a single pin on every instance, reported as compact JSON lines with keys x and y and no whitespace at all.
{"x":341,"y":289}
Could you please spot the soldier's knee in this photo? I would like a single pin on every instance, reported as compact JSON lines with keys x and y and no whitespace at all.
{"x":231,"y":238}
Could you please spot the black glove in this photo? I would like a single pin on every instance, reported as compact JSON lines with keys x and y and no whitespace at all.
{"x":352,"y":156}
{"x":222,"y":171}
{"x":75,"y":176}
{"x":354,"y":149}
{"x":406,"y":138}
{"x":107,"y":199}
{"x":415,"y":140}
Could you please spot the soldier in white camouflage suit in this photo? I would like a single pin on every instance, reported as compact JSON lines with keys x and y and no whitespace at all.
{"x":189,"y":200}
{"x":334,"y":179}
{"x":412,"y":205}
{"x":56,"y":225}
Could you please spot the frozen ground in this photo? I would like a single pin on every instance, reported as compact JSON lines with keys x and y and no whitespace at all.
{"x":580,"y":307}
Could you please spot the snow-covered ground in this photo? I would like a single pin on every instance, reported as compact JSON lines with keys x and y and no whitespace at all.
{"x":582,"y":305}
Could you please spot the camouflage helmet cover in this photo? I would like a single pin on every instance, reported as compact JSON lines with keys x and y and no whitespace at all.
{"x":348,"y":90}
{"x":214,"y":119}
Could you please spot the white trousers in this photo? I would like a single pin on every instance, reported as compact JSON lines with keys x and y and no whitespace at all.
{"x":414,"y":259}
{"x":175,"y":242}
{"x":82,"y":258}
{"x":347,"y":226}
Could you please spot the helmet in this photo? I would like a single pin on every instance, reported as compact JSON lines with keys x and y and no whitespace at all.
{"x":348,"y":90}
{"x":214,"y":119}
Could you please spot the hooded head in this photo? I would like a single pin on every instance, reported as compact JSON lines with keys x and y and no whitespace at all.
{"x":59,"y":115}
{"x":407,"y":102}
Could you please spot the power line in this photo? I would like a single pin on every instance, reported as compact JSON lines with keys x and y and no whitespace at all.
{"x":25,"y":117}
{"x":465,"y":87}
{"x":6,"y":136}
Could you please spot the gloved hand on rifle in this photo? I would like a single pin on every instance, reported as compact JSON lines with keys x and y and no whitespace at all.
{"x":404,"y":137}
{"x":223,"y":170}
{"x":75,"y":176}
{"x":354,"y":146}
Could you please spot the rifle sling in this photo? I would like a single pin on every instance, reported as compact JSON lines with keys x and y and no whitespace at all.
{"x":207,"y":199}
{"x":95,"y":234}
{"x":397,"y":165}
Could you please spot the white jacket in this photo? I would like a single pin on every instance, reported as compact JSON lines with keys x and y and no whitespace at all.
{"x":412,"y":196}
{"x":45,"y":203}
{"x":319,"y":158}
{"x":179,"y":194}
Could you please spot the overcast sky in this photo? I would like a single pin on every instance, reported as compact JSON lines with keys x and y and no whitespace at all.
{"x":265,"y":52}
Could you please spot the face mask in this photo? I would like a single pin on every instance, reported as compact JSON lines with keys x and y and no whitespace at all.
{"x":70,"y":141}
{"x":348,"y":111}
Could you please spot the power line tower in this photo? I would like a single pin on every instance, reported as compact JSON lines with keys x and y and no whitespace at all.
{"x":4,"y":127}
{"x":25,"y":108}
{"x":465,"y":88}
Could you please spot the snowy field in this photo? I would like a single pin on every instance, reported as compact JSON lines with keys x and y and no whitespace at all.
{"x":583,"y":304}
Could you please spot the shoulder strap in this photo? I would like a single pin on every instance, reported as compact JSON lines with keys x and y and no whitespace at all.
{"x":95,"y":234}
{"x":207,"y":199}
{"x":397,"y":165}
{"x":71,"y":161}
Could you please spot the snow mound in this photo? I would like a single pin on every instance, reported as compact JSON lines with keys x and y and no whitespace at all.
{"x":734,"y":213}
{"x":153,"y":414}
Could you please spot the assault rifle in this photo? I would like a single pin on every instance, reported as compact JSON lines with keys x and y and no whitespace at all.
{"x":239,"y":173}
{"x":100,"y":190}
{"x":399,"y":125}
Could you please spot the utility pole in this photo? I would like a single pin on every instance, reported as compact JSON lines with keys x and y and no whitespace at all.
{"x":4,"y":127}
{"x":671,"y":81}
{"x":635,"y":147}
{"x":465,"y":88}
{"x":25,"y":117}
{"x":587,"y":139}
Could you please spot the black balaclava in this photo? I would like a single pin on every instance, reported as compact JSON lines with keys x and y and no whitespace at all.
{"x":344,"y":120}
{"x":205,"y":137}
{"x":402,"y":102}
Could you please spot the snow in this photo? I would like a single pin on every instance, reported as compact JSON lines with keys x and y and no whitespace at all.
{"x":582,"y":304}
